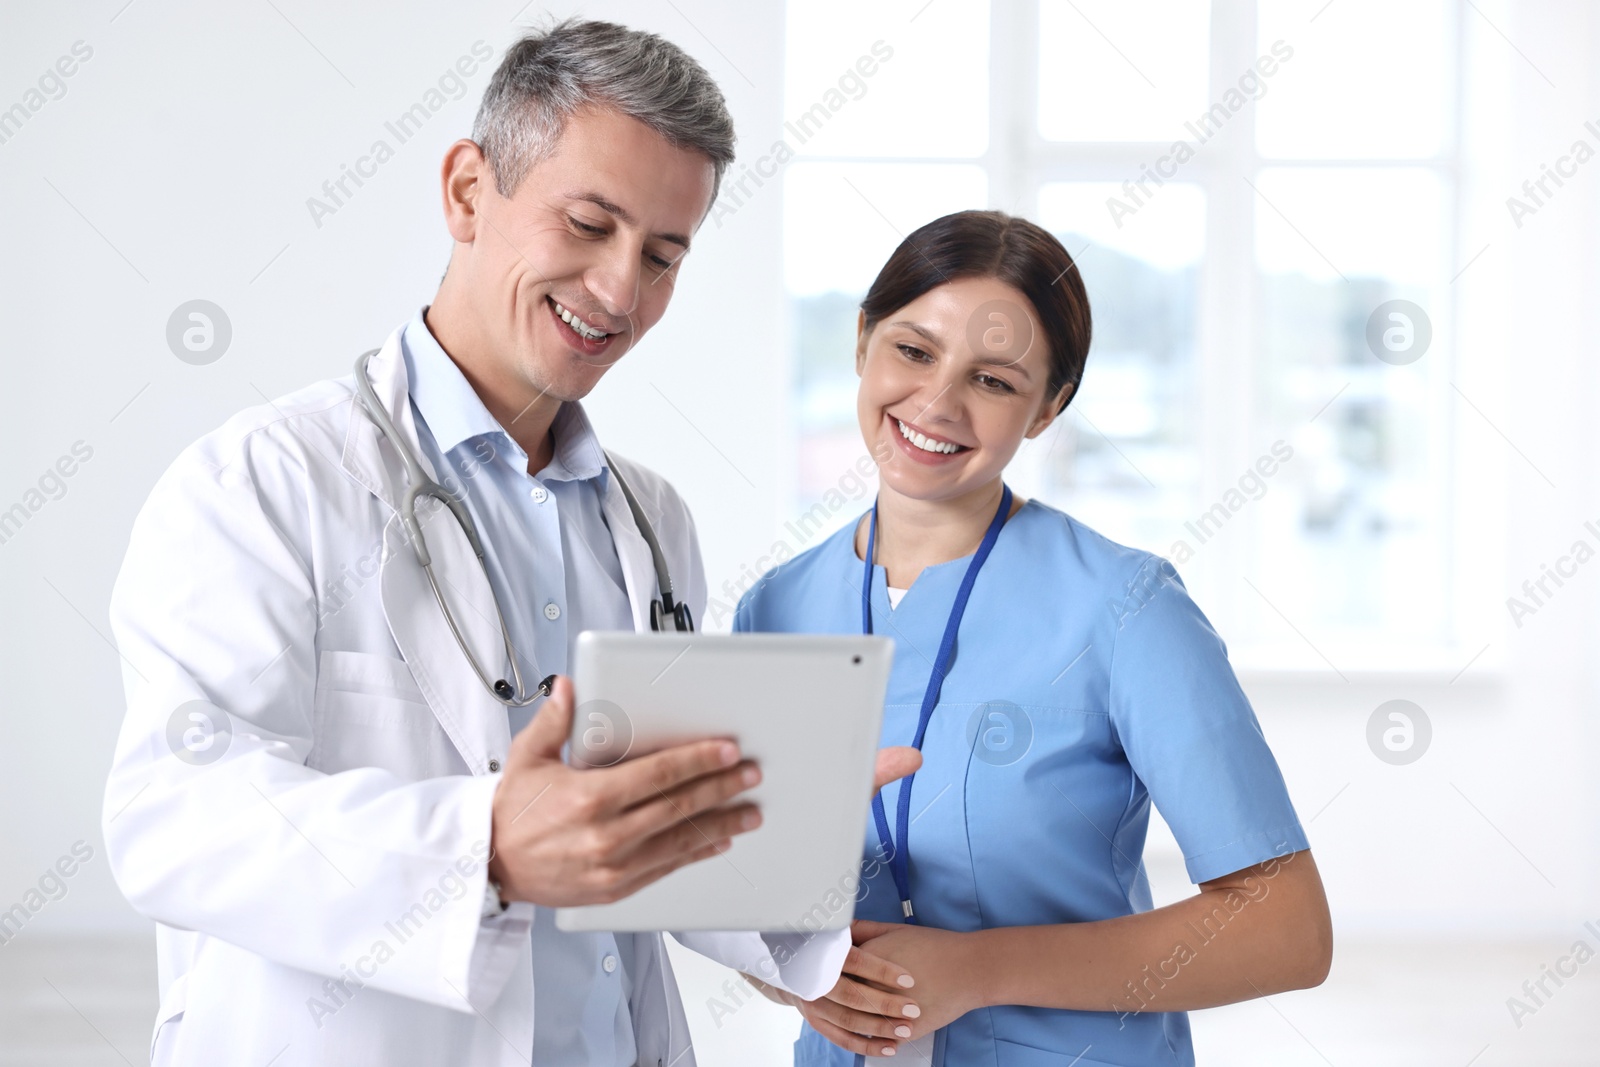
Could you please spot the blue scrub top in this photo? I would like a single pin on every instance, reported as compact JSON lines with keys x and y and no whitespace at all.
{"x":1085,"y":684}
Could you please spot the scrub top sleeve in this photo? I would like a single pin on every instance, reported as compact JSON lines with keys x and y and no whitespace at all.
{"x":1189,"y":732}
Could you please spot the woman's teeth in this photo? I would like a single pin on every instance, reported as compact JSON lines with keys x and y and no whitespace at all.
{"x":927,"y":444}
{"x":579,"y":327}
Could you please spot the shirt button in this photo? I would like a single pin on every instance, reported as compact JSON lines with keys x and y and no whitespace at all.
{"x":494,"y":765}
{"x":609,"y":964}
{"x":539,"y":494}
{"x":552,"y":611}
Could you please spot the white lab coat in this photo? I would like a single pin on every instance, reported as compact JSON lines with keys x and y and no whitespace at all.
{"x":318,"y":887}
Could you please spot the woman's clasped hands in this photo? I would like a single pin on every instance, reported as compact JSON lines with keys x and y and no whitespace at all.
{"x":899,"y":983}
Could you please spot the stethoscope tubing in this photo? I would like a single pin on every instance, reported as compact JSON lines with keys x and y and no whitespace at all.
{"x":419,"y":484}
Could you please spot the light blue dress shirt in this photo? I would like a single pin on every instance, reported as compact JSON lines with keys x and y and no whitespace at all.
{"x":1086,"y":685}
{"x":554,"y":568}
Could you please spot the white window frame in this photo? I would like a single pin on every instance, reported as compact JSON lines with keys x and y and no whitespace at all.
{"x":1018,"y":161}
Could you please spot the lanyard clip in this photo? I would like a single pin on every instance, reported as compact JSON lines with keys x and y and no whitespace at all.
{"x":905,"y":908}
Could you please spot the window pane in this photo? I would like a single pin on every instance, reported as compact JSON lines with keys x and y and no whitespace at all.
{"x":1104,"y":76}
{"x":886,"y":79}
{"x":1368,"y":79}
{"x":1123,"y":458}
{"x":1346,"y":542}
{"x":841,"y":222}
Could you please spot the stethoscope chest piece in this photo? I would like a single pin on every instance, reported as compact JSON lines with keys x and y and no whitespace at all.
{"x":677,"y":619}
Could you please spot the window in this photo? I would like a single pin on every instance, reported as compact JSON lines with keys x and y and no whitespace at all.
{"x":1261,"y":235}
{"x":902,"y":145}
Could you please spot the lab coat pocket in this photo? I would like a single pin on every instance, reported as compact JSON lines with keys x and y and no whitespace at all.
{"x":371,"y":713}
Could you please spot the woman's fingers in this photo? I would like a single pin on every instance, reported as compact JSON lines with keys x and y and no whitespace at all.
{"x":877,"y":970}
{"x":847,"y":1016}
{"x":847,"y":1040}
{"x":866,"y":929}
{"x":894,"y":763}
{"x":870,"y":1002}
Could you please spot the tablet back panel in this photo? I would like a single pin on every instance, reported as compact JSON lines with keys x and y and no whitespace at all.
{"x":808,"y":708}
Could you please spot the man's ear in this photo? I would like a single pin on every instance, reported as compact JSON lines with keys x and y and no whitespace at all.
{"x":862,"y":336}
{"x":462,"y":178}
{"x":1052,"y":408}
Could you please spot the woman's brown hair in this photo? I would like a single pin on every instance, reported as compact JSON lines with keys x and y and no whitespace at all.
{"x":992,"y":244}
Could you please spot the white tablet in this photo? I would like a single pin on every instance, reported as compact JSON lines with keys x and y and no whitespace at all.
{"x":808,"y":708}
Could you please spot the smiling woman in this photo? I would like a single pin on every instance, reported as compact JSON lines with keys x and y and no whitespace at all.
{"x":980,"y":282}
{"x":1058,"y":685}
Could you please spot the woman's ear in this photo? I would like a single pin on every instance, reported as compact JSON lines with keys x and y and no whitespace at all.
{"x":862,"y":334}
{"x":1052,"y":408}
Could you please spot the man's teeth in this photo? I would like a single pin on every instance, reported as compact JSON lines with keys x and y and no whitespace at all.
{"x":579,"y":327}
{"x":927,"y":444}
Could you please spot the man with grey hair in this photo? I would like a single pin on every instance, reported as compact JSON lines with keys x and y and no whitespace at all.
{"x":351,"y":839}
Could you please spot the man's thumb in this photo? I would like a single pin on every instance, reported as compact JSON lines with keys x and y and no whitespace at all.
{"x":547,"y":731}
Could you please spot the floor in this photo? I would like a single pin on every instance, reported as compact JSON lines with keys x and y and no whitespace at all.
{"x":90,"y":1002}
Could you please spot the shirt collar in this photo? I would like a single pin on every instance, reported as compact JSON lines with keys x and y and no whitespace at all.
{"x":454,"y":413}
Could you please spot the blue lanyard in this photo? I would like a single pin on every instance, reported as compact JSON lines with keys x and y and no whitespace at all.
{"x":900,"y":858}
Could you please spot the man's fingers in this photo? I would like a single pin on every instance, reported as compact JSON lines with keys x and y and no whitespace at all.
{"x":647,"y":777}
{"x":689,"y":835}
{"x":876,"y":970}
{"x":656,"y":873}
{"x":686,"y":801}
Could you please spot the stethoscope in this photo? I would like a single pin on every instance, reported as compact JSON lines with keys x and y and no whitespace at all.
{"x":418,"y":484}
{"x":900,"y":856}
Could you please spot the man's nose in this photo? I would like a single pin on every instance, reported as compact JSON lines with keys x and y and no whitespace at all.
{"x":614,"y":281}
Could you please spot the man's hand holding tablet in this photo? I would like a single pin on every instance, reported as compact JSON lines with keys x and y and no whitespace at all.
{"x":614,"y":830}
{"x":566,"y":835}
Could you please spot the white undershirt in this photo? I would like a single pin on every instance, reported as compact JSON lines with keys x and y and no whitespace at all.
{"x":894,"y":596}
